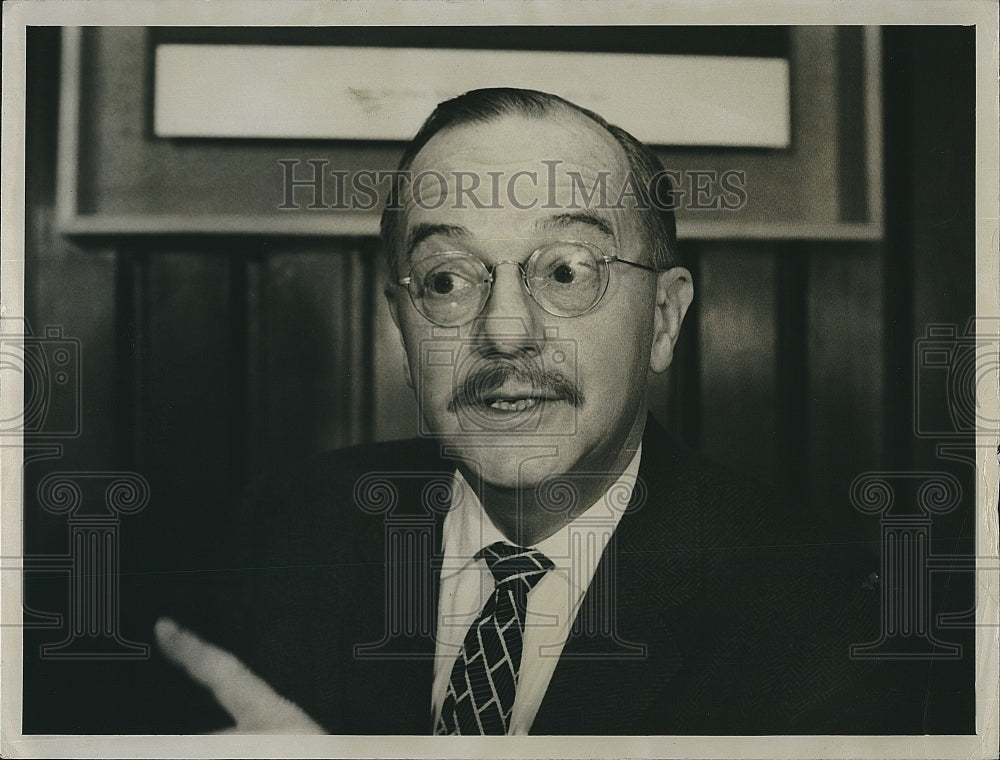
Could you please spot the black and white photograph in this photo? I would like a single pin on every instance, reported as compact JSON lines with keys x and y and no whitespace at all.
{"x":453,"y":379}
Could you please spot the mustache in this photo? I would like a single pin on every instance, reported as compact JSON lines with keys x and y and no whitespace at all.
{"x":492,"y":374}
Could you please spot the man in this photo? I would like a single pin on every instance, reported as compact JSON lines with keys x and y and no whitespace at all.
{"x":544,"y":559}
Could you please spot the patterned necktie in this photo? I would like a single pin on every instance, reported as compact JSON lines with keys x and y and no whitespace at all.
{"x":480,"y":695}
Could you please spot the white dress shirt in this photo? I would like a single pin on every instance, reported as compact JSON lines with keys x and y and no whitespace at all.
{"x":466,"y":584}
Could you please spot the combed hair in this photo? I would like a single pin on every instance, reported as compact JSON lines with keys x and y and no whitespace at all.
{"x":484,"y":105}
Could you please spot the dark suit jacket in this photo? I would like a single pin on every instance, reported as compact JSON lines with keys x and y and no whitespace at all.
{"x":716,"y":613}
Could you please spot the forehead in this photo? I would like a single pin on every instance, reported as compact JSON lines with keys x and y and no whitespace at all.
{"x":522,"y":168}
{"x":519,"y":141}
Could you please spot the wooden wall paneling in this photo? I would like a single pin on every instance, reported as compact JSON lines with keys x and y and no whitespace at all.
{"x":930,"y":280}
{"x":944,"y":286}
{"x":339,"y":303}
{"x":792,"y":362}
{"x":930,"y":252}
{"x":188,"y":402}
{"x":251,"y":338}
{"x":845,"y":381}
{"x":944,"y":277}
{"x":185,"y":386}
{"x":359,"y":399}
{"x":131,"y":330}
{"x":317,"y":336}
{"x":897,"y":65}
{"x":944,"y":270}
{"x":86,"y":406}
{"x":73,"y":289}
{"x":738,"y":354}
{"x":153,"y":401}
{"x":300,"y":344}
{"x":352,"y":306}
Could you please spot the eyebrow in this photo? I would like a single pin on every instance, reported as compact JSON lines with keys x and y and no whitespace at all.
{"x":424,"y":230}
{"x":578,"y":217}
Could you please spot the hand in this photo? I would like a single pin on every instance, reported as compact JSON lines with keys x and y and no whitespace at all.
{"x":254,"y":705}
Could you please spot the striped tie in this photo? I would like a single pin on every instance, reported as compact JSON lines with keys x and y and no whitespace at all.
{"x":480,"y":694}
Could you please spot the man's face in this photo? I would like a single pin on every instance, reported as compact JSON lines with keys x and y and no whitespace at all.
{"x":517,"y":392}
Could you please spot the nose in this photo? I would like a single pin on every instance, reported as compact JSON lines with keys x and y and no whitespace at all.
{"x":510,"y":315}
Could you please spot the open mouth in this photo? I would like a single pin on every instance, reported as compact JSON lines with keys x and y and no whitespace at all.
{"x":512,"y":404}
{"x":507,"y":392}
{"x":515,"y":399}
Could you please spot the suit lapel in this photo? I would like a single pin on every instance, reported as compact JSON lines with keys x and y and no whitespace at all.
{"x":623,"y":650}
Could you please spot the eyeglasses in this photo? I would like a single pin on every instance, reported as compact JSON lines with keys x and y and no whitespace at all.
{"x":566,"y":279}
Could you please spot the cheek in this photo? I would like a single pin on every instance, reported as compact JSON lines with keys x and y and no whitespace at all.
{"x":414,"y":337}
{"x":613,"y":374}
{"x":616,"y":357}
{"x":433,"y":373}
{"x":432,"y":362}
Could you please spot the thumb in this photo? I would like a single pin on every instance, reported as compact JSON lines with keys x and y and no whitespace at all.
{"x":251,"y":702}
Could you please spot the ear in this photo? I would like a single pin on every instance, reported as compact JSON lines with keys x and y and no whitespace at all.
{"x":674,"y":293}
{"x":392,"y":298}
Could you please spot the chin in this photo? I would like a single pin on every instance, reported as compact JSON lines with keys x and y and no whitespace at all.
{"x":510,"y":461}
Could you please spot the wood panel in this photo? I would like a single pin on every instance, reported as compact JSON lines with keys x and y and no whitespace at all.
{"x":844,"y":437}
{"x":88,"y":401}
{"x":317,"y":344}
{"x":792,"y":420}
{"x":738,"y":354}
{"x":930,"y":280}
{"x":184,"y":351}
{"x":181,"y":309}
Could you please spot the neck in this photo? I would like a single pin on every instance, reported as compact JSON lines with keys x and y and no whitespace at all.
{"x":527,"y":516}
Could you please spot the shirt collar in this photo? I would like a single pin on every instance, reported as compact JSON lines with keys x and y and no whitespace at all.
{"x":467,"y":528}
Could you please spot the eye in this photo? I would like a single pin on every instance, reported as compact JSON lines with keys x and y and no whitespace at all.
{"x":568,"y":265}
{"x":441,"y":283}
{"x":563,"y":274}
{"x":449,"y":281}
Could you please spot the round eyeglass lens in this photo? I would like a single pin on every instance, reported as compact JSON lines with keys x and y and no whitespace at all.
{"x":567,"y":279}
{"x":449,"y":289}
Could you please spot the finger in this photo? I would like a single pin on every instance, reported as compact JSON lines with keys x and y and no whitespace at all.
{"x":247,"y":698}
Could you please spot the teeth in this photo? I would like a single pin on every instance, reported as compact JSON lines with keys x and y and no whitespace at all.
{"x":520,"y":405}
